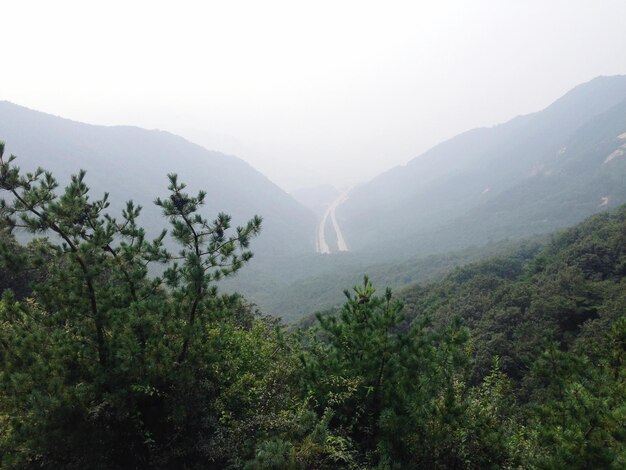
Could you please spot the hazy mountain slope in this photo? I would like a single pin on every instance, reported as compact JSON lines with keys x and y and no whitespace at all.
{"x":541,"y":171}
{"x":130,"y":162}
{"x":317,"y":198}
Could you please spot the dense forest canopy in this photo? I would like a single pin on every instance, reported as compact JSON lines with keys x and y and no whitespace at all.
{"x":513,"y":362}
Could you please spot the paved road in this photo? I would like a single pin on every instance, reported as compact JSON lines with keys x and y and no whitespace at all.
{"x":322,"y":245}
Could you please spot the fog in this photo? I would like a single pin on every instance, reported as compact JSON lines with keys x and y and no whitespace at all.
{"x":307,"y":93}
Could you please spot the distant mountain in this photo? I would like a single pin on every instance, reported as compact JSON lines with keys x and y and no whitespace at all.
{"x":132,"y":163}
{"x":530,"y":175}
{"x":317,"y":198}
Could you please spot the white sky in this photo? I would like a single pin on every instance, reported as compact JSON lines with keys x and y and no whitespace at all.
{"x":307,"y":92}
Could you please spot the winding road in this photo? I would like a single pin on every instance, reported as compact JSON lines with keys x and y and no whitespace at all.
{"x":322,"y":245}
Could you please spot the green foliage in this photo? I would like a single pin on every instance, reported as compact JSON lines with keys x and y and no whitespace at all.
{"x":516,"y":306}
{"x":556,"y":322}
{"x":398,"y":393}
{"x":105,"y":367}
{"x":514,"y":362}
{"x":581,"y":416}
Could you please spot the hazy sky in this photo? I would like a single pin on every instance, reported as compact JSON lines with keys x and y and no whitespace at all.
{"x":307,"y":92}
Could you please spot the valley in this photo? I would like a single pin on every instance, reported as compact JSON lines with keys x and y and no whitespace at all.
{"x":487,"y":291}
{"x":313,"y":235}
{"x":544,"y":171}
{"x":322,"y":246}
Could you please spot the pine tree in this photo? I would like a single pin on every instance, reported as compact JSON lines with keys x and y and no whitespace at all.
{"x":105,"y":365}
{"x":381,"y":378}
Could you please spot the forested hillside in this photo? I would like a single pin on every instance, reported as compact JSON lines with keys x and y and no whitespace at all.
{"x":528,"y":177}
{"x":461,"y":201}
{"x":514,"y":362}
{"x":322,"y":288}
{"x":570,"y":292}
{"x":132,"y":163}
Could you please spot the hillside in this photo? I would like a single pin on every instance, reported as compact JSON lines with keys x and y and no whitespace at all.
{"x":531,"y":175}
{"x":513,"y":362}
{"x":133,"y":163}
{"x":322,"y":287}
{"x":516,"y":361}
{"x":546,"y":346}
{"x":460,"y":200}
{"x":569,"y":292}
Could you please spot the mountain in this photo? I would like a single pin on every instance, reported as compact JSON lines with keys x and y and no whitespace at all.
{"x":531,"y":175}
{"x":317,"y":198}
{"x":133,"y":163}
{"x":465,"y":198}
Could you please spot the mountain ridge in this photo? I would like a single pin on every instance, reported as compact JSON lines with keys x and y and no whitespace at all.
{"x":137,"y":160}
{"x":449,"y":179}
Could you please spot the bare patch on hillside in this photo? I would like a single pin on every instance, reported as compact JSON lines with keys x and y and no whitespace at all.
{"x":618,"y":153}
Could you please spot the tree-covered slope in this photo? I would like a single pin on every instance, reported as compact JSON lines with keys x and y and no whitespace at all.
{"x":514,"y":362}
{"x":531,"y":175}
{"x":320,"y":288}
{"x":572,"y":290}
{"x":131,"y":163}
{"x":543,"y":385}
